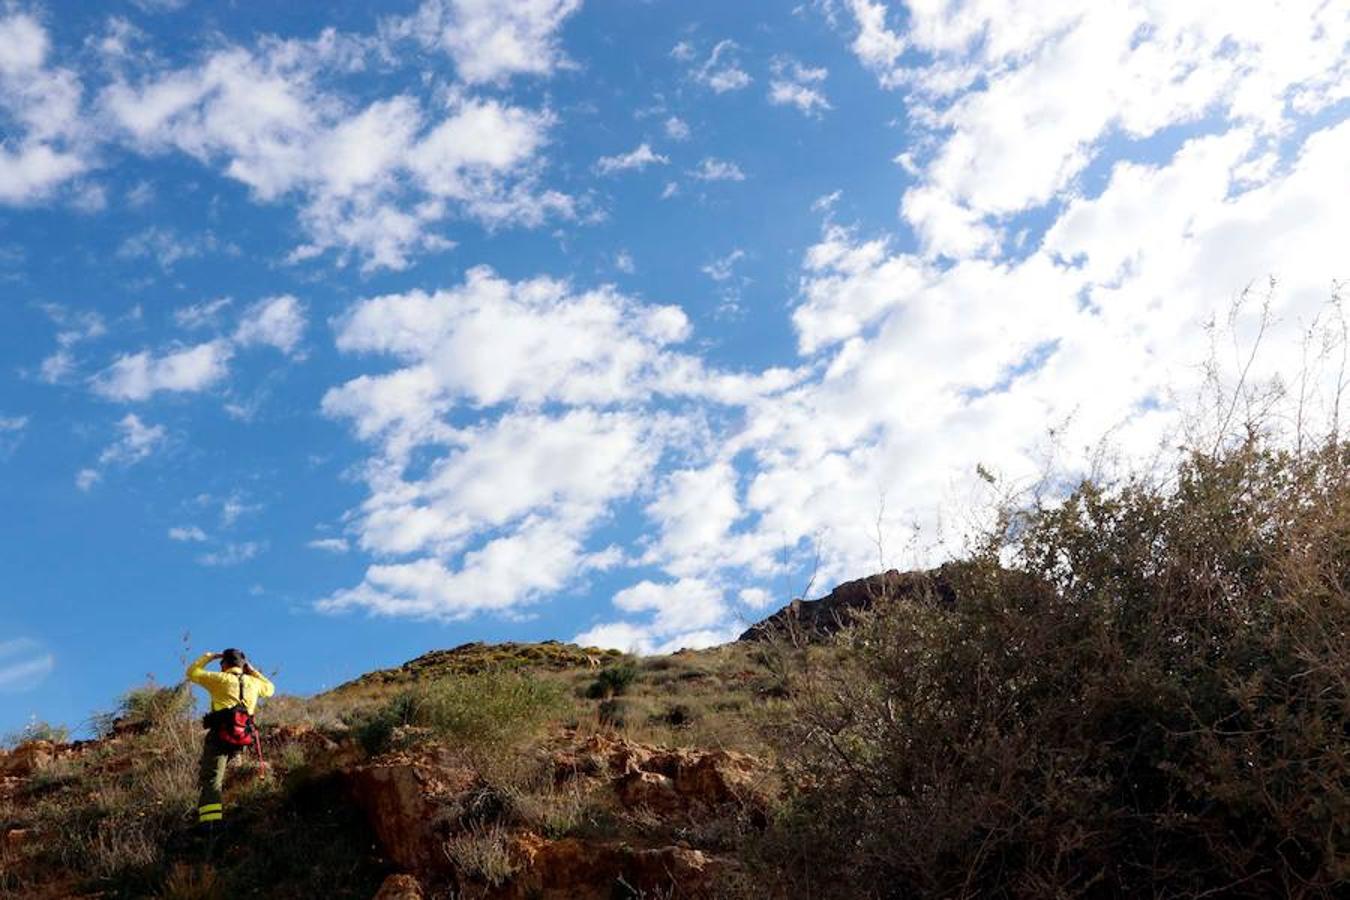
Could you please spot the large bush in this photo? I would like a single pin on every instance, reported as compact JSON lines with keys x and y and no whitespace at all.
{"x":482,"y":711}
{"x":1144,"y":693}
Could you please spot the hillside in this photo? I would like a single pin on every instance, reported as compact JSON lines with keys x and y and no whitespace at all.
{"x":511,"y":770}
{"x":1146,"y":694}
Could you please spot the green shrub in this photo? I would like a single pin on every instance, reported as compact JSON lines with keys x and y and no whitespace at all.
{"x":1146,"y":693}
{"x":613,"y":713}
{"x":37,"y":730}
{"x":613,"y":681}
{"x":483,"y":711}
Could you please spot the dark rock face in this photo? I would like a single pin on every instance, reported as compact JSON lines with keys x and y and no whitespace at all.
{"x":816,"y":619}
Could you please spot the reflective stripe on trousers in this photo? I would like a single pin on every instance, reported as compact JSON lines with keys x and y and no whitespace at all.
{"x":210,"y":812}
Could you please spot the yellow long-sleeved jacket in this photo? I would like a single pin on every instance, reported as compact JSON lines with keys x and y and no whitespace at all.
{"x":224,"y":686}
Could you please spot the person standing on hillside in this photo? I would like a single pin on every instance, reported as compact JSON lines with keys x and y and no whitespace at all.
{"x":234,"y":691}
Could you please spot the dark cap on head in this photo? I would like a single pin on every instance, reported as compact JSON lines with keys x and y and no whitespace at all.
{"x":232,"y":657}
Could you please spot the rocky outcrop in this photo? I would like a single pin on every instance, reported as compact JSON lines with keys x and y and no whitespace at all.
{"x":807,"y":620}
{"x":30,"y":758}
{"x":312,"y":743}
{"x":572,"y":869}
{"x":419,"y":802}
{"x":665,"y":780}
{"x":406,"y":798}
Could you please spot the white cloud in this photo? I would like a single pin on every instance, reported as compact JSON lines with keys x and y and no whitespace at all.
{"x":755,"y":598}
{"x":796,"y":85}
{"x":330,"y":545}
{"x":623,"y":261}
{"x":1066,"y":78}
{"x":724,"y":269}
{"x":721,"y":71}
{"x":232,"y":554}
{"x":160,"y":6}
{"x":713,"y":169}
{"x":13,"y":424}
{"x":922,"y":367}
{"x":490,"y":40}
{"x":684,"y":613}
{"x":138,"y":376}
{"x":135,"y":443}
{"x":232,"y":508}
{"x":677,"y":129}
{"x":39,"y":113}
{"x":168,"y":248}
{"x":187,"y":534}
{"x":74,"y":328}
{"x":24,"y":664}
{"x":201,"y":315}
{"x":500,"y":514}
{"x":372,"y":181}
{"x":875,"y":44}
{"x":639,"y":158}
{"x":275,"y":321}
{"x":491,"y":341}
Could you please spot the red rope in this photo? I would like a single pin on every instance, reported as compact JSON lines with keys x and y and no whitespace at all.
{"x":257,"y":745}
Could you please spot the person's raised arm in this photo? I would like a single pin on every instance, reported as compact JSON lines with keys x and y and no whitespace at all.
{"x":265,"y":687}
{"x":197,"y":670}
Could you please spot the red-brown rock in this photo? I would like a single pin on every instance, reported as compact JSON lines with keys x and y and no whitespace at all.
{"x":404,"y":798}
{"x":663,"y":779}
{"x":400,"y":887}
{"x":573,"y":869}
{"x":307,"y":738}
{"x":28,"y":759}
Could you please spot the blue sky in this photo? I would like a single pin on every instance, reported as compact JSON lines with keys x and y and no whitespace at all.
{"x":342,"y":333}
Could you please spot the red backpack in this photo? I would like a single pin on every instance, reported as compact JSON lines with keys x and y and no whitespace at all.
{"x":233,"y":726}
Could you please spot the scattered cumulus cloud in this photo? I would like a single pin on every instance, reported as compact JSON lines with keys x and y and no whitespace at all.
{"x":167,"y":247}
{"x":683,"y":51}
{"x":138,"y":376}
{"x":232,"y":554}
{"x":793,"y":84}
{"x":136,"y":441}
{"x":639,"y":159}
{"x":40,"y":112}
{"x":875,"y":44}
{"x":201,"y":315}
{"x":676,"y":129}
{"x":187,"y":534}
{"x":721,"y":71}
{"x":724,"y":268}
{"x":73,"y":328}
{"x":488,"y":40}
{"x":685,"y":613}
{"x":330,"y":545}
{"x":500,"y":517}
{"x":372,"y":182}
{"x":12,"y":430}
{"x":713,"y":169}
{"x":277,"y":322}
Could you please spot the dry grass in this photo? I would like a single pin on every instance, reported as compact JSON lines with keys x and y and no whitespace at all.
{"x":482,"y":853}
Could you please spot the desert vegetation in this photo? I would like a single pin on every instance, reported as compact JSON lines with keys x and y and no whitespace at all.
{"x":1136,"y":689}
